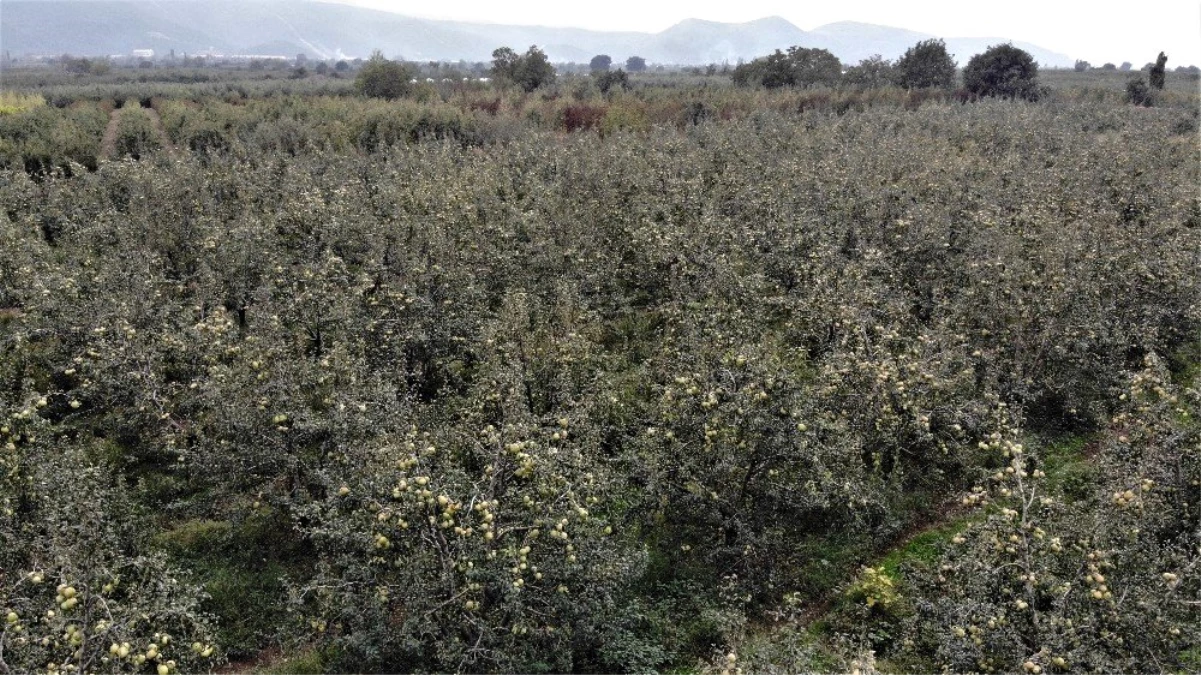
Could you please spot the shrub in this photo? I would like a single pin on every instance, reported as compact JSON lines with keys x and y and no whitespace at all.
{"x":583,"y":117}
{"x":1156,"y":76}
{"x":625,"y":115}
{"x":607,"y":80}
{"x":136,"y":135}
{"x":926,"y":64}
{"x":41,"y":139}
{"x":874,"y":71}
{"x":407,"y":122}
{"x":80,"y":588}
{"x":799,"y":67}
{"x":528,"y":71}
{"x":1003,"y":71}
{"x":1104,"y":584}
{"x":1138,"y":93}
{"x":381,"y":78}
{"x":495,"y":546}
{"x":12,"y":102}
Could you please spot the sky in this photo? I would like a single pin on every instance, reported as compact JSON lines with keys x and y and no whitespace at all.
{"x":1094,"y":31}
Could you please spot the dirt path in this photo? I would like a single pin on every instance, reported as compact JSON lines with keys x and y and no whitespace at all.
{"x":108,"y":144}
{"x":163,"y":139}
{"x":266,"y":658}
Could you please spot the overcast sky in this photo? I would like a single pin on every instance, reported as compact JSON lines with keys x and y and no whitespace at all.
{"x":1136,"y":32}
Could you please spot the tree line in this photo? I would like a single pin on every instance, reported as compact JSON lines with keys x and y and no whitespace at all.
{"x":1001,"y":70}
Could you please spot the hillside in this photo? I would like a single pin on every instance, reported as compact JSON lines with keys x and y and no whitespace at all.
{"x":325,"y":30}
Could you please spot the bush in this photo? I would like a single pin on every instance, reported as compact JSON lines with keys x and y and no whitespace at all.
{"x":78,"y":583}
{"x":926,"y":64}
{"x":136,"y":135}
{"x":583,"y":117}
{"x":1156,"y":76}
{"x":799,"y":67}
{"x":1003,"y":71}
{"x":1138,"y":93}
{"x":607,"y":80}
{"x":493,"y":543}
{"x":381,"y":78}
{"x":874,"y":71}
{"x":528,"y":71}
{"x":625,"y":115}
{"x":40,"y":139}
{"x":1101,"y":585}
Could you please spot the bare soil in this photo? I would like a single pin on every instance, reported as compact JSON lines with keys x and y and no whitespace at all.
{"x":108,"y":144}
{"x":250,"y":664}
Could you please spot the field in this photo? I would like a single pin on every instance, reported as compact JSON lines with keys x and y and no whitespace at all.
{"x":683,"y":378}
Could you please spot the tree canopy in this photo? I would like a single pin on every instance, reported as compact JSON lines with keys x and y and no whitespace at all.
{"x":1157,"y":71}
{"x":382,"y":78}
{"x":874,"y":71}
{"x":528,"y":71}
{"x":926,"y":64}
{"x":799,"y":67}
{"x":1004,"y":71}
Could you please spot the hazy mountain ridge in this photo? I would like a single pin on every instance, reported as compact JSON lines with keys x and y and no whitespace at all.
{"x":326,"y":30}
{"x":853,"y":41}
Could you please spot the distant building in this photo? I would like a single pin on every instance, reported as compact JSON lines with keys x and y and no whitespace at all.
{"x":250,"y":57}
{"x":143,"y":53}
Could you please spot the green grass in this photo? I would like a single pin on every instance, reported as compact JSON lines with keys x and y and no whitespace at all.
{"x":1190,"y":659}
{"x":242,"y":564}
{"x":246,"y":600}
{"x":307,"y":662}
{"x":195,"y":536}
{"x":823,"y":563}
{"x":1185,"y":364}
{"x":1069,"y":473}
{"x":925,"y":548}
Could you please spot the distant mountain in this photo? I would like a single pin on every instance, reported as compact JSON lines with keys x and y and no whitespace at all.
{"x":326,"y":30}
{"x":696,"y":41}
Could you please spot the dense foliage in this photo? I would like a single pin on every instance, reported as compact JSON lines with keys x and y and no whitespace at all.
{"x":1156,"y":75}
{"x":799,"y":67}
{"x":381,"y":78}
{"x":874,"y":71}
{"x":600,"y":62}
{"x":926,"y":64}
{"x":1138,"y":93}
{"x":528,"y":71}
{"x":677,"y":378}
{"x":1003,"y":70}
